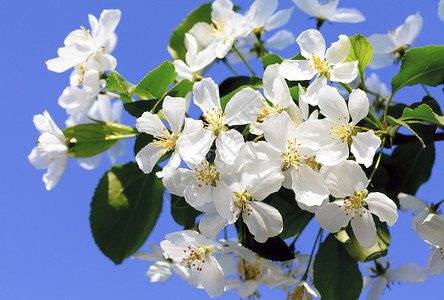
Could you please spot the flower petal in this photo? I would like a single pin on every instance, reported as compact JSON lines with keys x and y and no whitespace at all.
{"x":210,"y":224}
{"x":364,"y":228}
{"x":377,"y":289}
{"x":435,"y":265}
{"x":338,"y":51}
{"x":151,"y":124}
{"x":432,"y":230}
{"x":410,"y":202}
{"x":243,"y":107}
{"x":408,"y":273}
{"x":206,"y":95}
{"x":345,"y":72}
{"x":212,"y":277}
{"x":148,"y":157}
{"x":296,"y":70}
{"x":358,"y":105}
{"x":332,"y":216}
{"x":382,"y":206}
{"x":364,"y":147}
{"x":263,"y":221}
{"x":228,"y":145}
{"x":174,"y":109}
{"x":312,"y":43}
{"x":347,"y":15}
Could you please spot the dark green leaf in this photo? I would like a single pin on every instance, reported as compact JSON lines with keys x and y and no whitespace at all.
{"x":156,"y":83}
{"x":124,"y":210}
{"x":274,"y":248}
{"x":176,"y":47}
{"x":183,"y":213}
{"x":116,"y":83}
{"x":137,"y":108}
{"x":295,"y":219}
{"x":142,"y":140}
{"x":360,"y":253}
{"x":336,"y":273}
{"x":232,"y":85}
{"x":362,"y":51}
{"x":422,"y":113}
{"x":423,"y":65}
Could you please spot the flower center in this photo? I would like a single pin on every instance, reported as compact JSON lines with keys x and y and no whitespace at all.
{"x":341,"y":130}
{"x":85,"y":36}
{"x":206,"y":174}
{"x":292,"y":157}
{"x":167,"y":141}
{"x":218,"y":31}
{"x":266,"y":110}
{"x":319,"y":65}
{"x":355,"y":204}
{"x":214,"y":119}
{"x":299,"y":293}
{"x":242,"y":203}
{"x":196,"y":256}
{"x":249,"y":271}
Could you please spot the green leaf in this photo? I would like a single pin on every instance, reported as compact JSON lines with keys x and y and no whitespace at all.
{"x":271,"y":59}
{"x":409,"y":167}
{"x":156,"y":83}
{"x":336,"y":273}
{"x":137,"y":108}
{"x":274,"y":248}
{"x":142,"y":140}
{"x":406,"y":125}
{"x":295,"y":219}
{"x":361,"y":253}
{"x":422,"y":113}
{"x":183,"y":213}
{"x":176,"y":47}
{"x":116,"y":83}
{"x":362,"y":51}
{"x":423,"y":65}
{"x":232,"y":85}
{"x":85,"y":140}
{"x":181,"y":89}
{"x":124,"y":210}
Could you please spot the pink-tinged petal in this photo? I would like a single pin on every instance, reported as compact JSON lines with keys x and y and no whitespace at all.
{"x":338,"y":51}
{"x":277,"y":128}
{"x":228,"y":145}
{"x":380,"y":60}
{"x":409,"y":30}
{"x":364,"y":147}
{"x":435,"y":265}
{"x":377,"y":288}
{"x":345,"y":72}
{"x":364,"y":228}
{"x":408,"y":273}
{"x":159,"y":272}
{"x":151,"y":124}
{"x":410,"y":202}
{"x":311,"y":94}
{"x":174,"y":109}
{"x":296,"y":70}
{"x":332,"y":155}
{"x":247,"y":288}
{"x":263,"y":221}
{"x":347,"y":15}
{"x":243,"y":107}
{"x":211,"y":224}
{"x":308,"y":187}
{"x":312,"y":43}
{"x":148,"y":157}
{"x":432,"y":230}
{"x":212,"y":277}
{"x":279,"y":19}
{"x":332,"y":105}
{"x":280,"y":40}
{"x":206,"y":95}
{"x":382,"y":206}
{"x":358,"y":105}
{"x":332,"y":216}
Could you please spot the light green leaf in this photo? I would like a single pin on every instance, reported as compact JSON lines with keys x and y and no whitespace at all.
{"x":423,"y":65}
{"x":176,"y":47}
{"x":156,"y":83}
{"x":362,"y":51}
{"x":116,"y":83}
{"x":336,"y":273}
{"x":422,"y":113}
{"x":124,"y":210}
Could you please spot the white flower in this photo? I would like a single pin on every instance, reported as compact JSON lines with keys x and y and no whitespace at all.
{"x":432,"y":231}
{"x":441,"y":10}
{"x":327,"y":10}
{"x":392,"y":46}
{"x":195,"y":251}
{"x":304,"y":291}
{"x":261,"y":15}
{"x":89,"y":50}
{"x":103,"y":110}
{"x":347,"y":182}
{"x":331,"y":136}
{"x":412,"y":203}
{"x":51,"y":151}
{"x":411,"y":273}
{"x":160,"y":271}
{"x":320,"y":63}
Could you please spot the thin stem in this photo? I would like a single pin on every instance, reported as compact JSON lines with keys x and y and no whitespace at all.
{"x":425,"y":89}
{"x":363,"y":84}
{"x":243,"y":59}
{"x":225,"y":233}
{"x":112,"y":95}
{"x":377,"y":95}
{"x":120,"y":137}
{"x":347,"y":87}
{"x":295,"y":239}
{"x":378,"y":160}
{"x":224,"y":60}
{"x":304,"y":277}
{"x":375,"y":118}
{"x":384,"y":116}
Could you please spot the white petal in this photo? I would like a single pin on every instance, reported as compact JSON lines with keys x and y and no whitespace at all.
{"x":308,"y":187}
{"x":147,"y":256}
{"x":210,"y":224}
{"x":377,"y":288}
{"x":410,"y":202}
{"x":243,"y":107}
{"x":275,"y":88}
{"x":276,"y":128}
{"x":194,"y":142}
{"x":116,"y":151}
{"x":247,"y":288}
{"x":312,"y":43}
{"x":382,"y":206}
{"x":382,"y":43}
{"x":380,"y":60}
{"x":435,"y":265}
{"x":159,"y":272}
{"x":55,"y":172}
{"x":409,"y":30}
{"x":332,"y":105}
{"x":280,"y":40}
{"x":419,"y":218}
{"x":346,"y":179}
{"x":432,"y":230}
{"x":279,"y":19}
{"x":338,"y":51}
{"x":345,"y":72}
{"x":223,"y":200}
{"x":174,"y":109}
{"x":364,"y":147}
{"x":332,"y":216}
{"x":263,"y":221}
{"x":148,"y":157}
{"x":212,"y":277}
{"x":441,"y":10}
{"x":347,"y":15}
{"x":296,"y":70}
{"x":38,"y":160}
{"x":151,"y":124}
{"x":60,"y":64}
{"x":314,"y":134}
{"x":358,"y":105}
{"x":206,"y":95}
{"x":226,"y":261}
{"x":311,"y":95}
{"x":332,"y":155}
{"x":228,"y":145}
{"x":364,"y":228}
{"x":266,"y":183}
{"x":109,"y":19}
{"x":408,"y":273}
{"x":260,"y":11}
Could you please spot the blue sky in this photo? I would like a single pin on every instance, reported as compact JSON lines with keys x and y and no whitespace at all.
{"x":47,"y":248}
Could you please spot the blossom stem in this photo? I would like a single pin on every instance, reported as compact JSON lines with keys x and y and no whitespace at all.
{"x":377,"y":95}
{"x":243,"y":59}
{"x":425,"y":89}
{"x":347,"y":87}
{"x":224,"y":60}
{"x":384,"y":116}
{"x":376,"y":119}
{"x":378,"y":160}
{"x":304,"y":277}
{"x":120,"y":137}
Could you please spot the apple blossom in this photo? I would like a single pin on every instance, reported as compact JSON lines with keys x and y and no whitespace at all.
{"x":432,"y":231}
{"x":327,"y":10}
